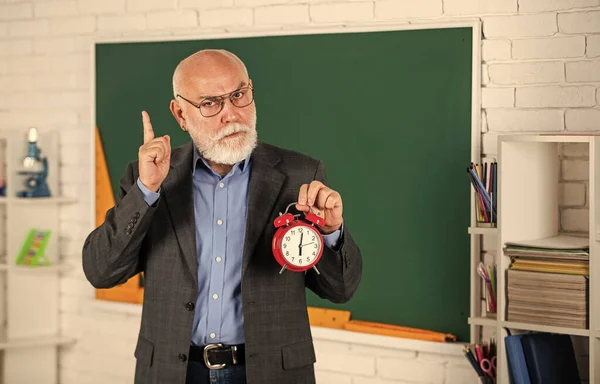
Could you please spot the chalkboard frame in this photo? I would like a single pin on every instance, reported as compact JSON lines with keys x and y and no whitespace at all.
{"x":476,"y":114}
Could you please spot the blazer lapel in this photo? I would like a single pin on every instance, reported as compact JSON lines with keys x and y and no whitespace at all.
{"x":179,"y":198}
{"x":265,"y":184}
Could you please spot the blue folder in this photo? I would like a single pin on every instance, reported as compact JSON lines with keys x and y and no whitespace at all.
{"x":517,"y":365}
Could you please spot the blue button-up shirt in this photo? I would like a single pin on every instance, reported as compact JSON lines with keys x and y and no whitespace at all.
{"x":220,"y":212}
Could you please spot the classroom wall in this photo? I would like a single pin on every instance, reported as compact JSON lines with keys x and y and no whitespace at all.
{"x":541,"y":72}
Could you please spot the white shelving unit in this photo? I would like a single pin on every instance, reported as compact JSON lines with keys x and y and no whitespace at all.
{"x":29,"y":310}
{"x":528,"y":208}
{"x":482,"y":325}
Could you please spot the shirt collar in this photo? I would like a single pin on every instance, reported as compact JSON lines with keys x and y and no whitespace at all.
{"x":242,"y":165}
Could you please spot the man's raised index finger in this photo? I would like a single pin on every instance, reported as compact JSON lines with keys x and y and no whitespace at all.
{"x":148,"y":132}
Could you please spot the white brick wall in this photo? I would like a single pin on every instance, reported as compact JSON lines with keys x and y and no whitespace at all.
{"x":478,"y":7}
{"x":226,"y":18}
{"x":28,"y":28}
{"x":172,"y":19}
{"x":527,"y":6}
{"x":73,"y":25}
{"x":496,"y":50}
{"x":556,"y":96}
{"x":540,"y":72}
{"x":336,"y":12}
{"x":282,"y":14}
{"x":572,"y":194}
{"x":87,"y":7}
{"x":527,"y":73}
{"x":549,"y":48}
{"x":392,"y":9}
{"x":543,"y":24}
{"x":593,"y":46}
{"x":121,"y":23}
{"x":525,"y":120}
{"x":583,"y":71}
{"x":497,"y":97}
{"x":583,"y":119}
{"x":579,"y":22}
{"x":16,"y":11}
{"x":55,"y":8}
{"x":209,"y":4}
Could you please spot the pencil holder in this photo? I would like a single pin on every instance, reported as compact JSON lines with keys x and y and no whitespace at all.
{"x":490,"y":302}
{"x":482,"y":219}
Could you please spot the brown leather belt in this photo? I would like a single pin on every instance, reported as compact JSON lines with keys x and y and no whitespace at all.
{"x":218,"y":356}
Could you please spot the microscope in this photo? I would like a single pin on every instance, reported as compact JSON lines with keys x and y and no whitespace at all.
{"x":35,"y":170}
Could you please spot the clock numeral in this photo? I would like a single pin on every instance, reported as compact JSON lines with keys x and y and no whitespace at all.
{"x":316,"y":246}
{"x":293,"y":258}
{"x":313,"y":239}
{"x":314,"y":253}
{"x":300,"y":261}
{"x":300,"y":230}
{"x":287,"y":253}
{"x":293,"y":233}
{"x":288,"y":238}
{"x":285,"y":245}
{"x":308,"y":259}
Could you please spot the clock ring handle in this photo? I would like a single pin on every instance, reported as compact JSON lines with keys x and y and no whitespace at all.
{"x":294,"y":203}
{"x":312,"y":217}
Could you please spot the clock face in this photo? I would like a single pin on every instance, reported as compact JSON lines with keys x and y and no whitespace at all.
{"x":300,"y":245}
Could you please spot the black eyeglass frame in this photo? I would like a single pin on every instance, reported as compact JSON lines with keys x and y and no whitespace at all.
{"x":222,"y":102}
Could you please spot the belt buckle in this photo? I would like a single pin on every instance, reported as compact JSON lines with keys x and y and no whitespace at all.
{"x":207,"y":362}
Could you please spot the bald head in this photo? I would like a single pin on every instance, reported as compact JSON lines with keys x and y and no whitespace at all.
{"x":204,"y":66}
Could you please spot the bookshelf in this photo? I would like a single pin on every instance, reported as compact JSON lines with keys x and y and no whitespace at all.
{"x":29,"y":296}
{"x":482,"y":324}
{"x":529,"y":168}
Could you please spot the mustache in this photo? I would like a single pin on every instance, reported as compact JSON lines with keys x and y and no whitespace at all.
{"x":230,"y":129}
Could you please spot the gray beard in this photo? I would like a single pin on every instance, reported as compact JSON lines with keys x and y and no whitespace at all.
{"x":221,"y":153}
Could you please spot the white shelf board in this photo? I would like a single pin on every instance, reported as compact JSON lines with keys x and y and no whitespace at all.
{"x":39,"y":341}
{"x":548,"y":138}
{"x":37,"y":200}
{"x":391,"y":342}
{"x":36,"y":269}
{"x":483,"y":231}
{"x":485,"y":321}
{"x":545,"y":328}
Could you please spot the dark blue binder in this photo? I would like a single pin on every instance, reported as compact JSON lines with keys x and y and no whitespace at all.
{"x":550,"y":358}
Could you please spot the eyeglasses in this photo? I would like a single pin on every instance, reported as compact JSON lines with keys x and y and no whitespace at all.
{"x":212,"y":105}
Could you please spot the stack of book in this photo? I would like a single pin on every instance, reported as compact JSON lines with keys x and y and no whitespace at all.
{"x":548,"y":281}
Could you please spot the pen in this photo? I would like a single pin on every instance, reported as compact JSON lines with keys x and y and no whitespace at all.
{"x":479,"y":352}
{"x":469,"y":356}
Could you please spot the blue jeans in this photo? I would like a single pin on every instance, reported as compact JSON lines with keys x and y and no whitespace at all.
{"x":197,"y":373}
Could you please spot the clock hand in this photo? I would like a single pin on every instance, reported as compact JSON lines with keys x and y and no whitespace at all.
{"x":303,"y":245}
{"x":300,"y":244}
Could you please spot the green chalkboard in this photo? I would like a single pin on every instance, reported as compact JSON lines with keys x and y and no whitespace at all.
{"x":389,"y":113}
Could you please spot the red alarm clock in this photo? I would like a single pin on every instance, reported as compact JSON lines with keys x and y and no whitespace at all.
{"x":297,"y":244}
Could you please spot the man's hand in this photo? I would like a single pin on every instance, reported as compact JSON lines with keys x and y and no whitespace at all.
{"x":154,"y":156}
{"x":324,"y":201}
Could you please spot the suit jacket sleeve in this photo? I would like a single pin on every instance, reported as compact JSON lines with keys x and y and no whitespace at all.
{"x":111,"y":252}
{"x":340,"y":268}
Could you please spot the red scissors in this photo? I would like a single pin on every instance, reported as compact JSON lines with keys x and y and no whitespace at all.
{"x":488,"y":366}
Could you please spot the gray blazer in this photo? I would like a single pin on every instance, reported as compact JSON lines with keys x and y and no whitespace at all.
{"x":160,"y":241}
